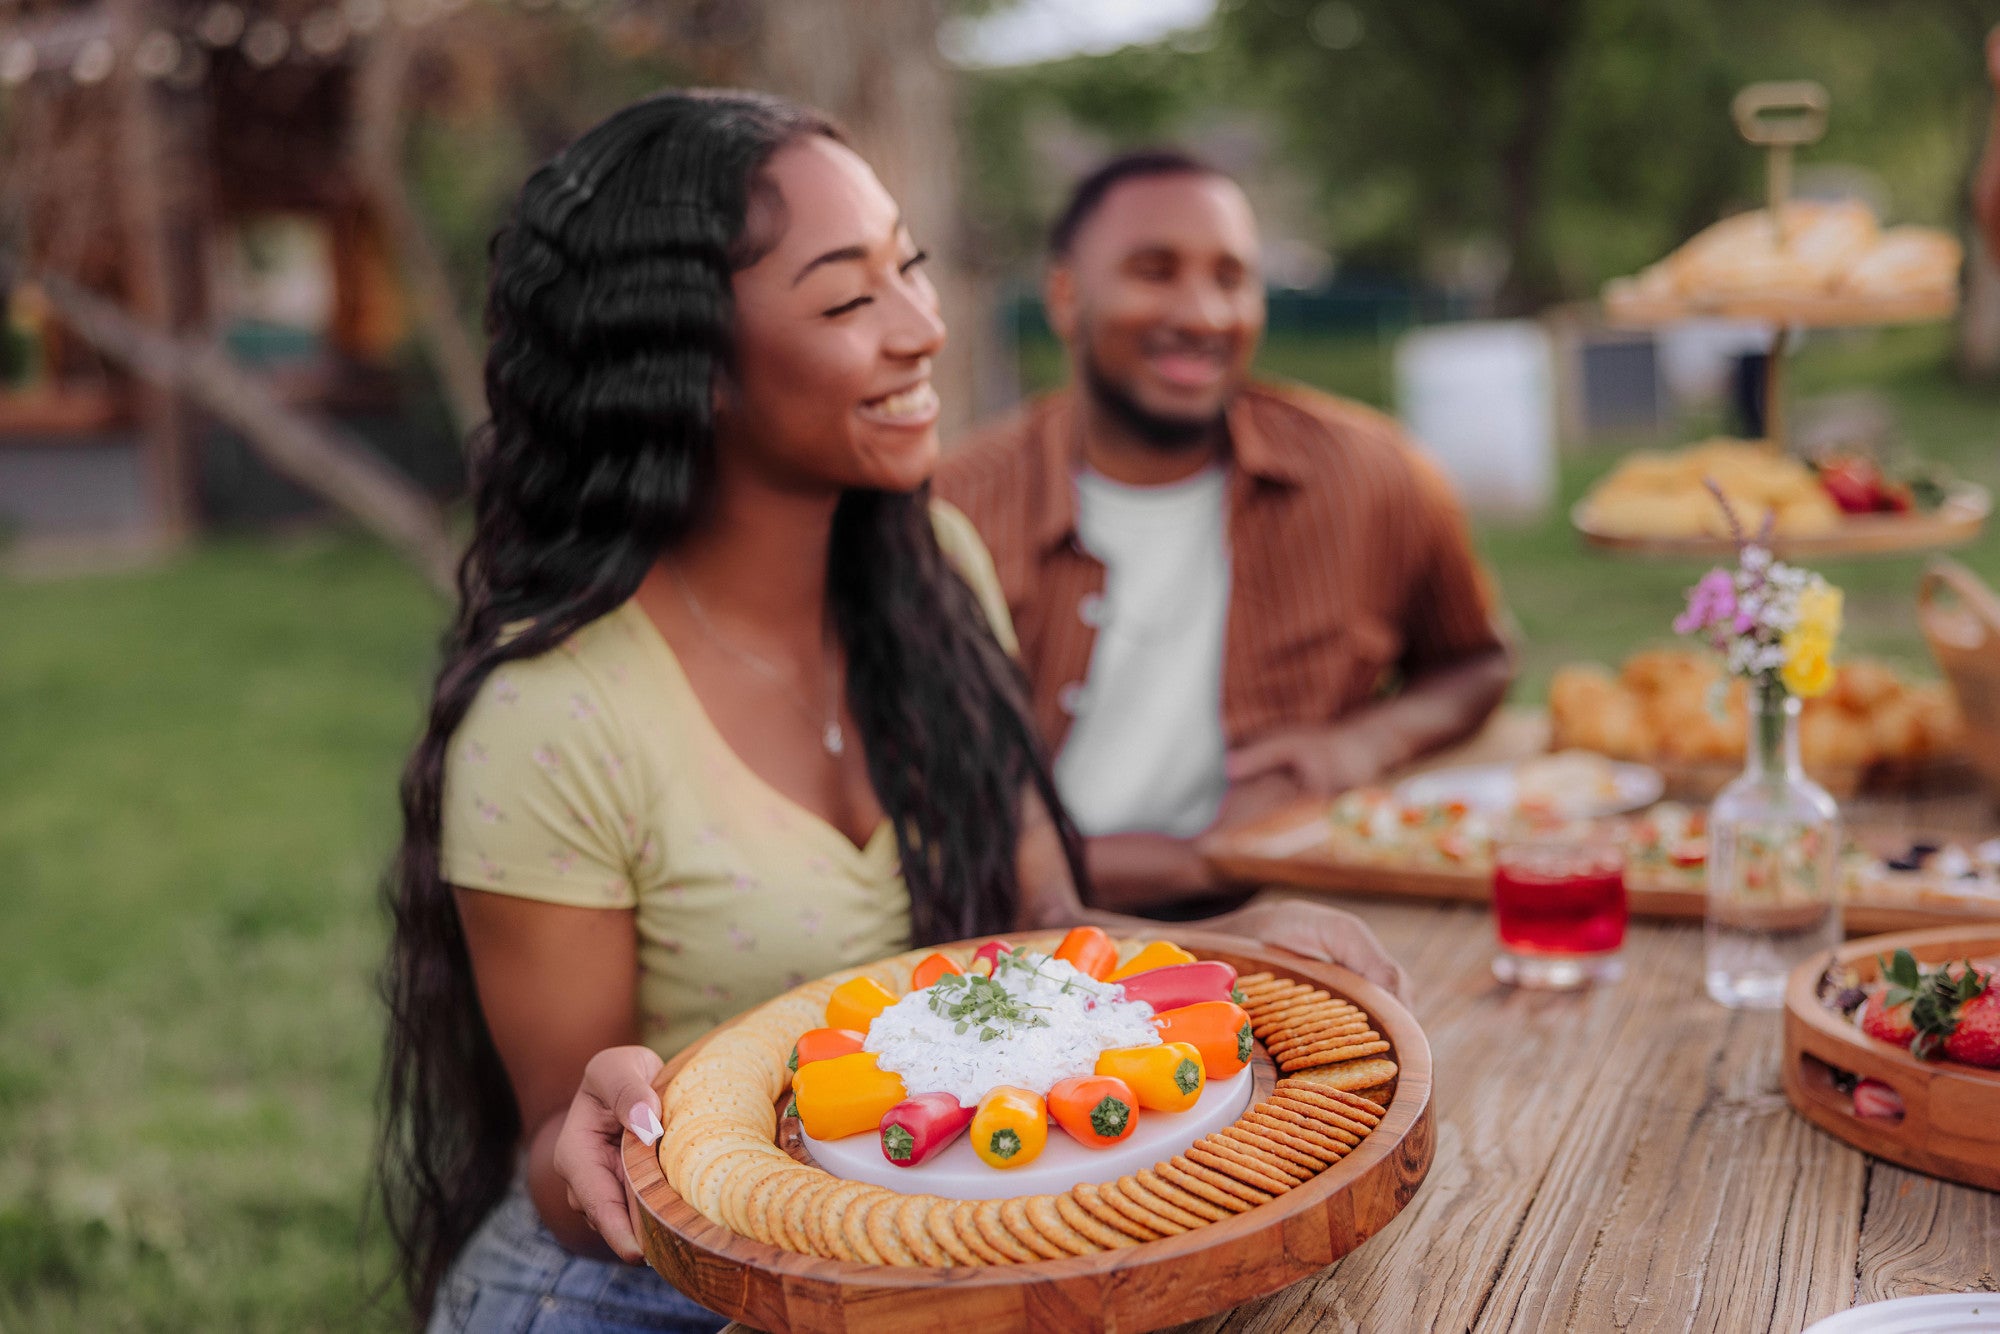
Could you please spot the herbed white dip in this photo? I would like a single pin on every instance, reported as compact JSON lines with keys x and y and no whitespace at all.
{"x":1058,"y":1020}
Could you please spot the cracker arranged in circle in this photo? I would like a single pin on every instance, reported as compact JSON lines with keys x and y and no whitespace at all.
{"x":968,"y":1232}
{"x":943,"y":1229}
{"x":1105,"y":1237}
{"x":913,"y":1215}
{"x":1220,"y":1156}
{"x":879,"y":1221}
{"x":1048,"y":1220}
{"x":986,"y":1217}
{"x":1306,"y":1060}
{"x":1326,"y":1104}
{"x":1124,"y":1196}
{"x":854,"y":1229}
{"x":828,"y":1235}
{"x":1179,"y":1196}
{"x":800,"y":1216}
{"x":1277,"y":1115}
{"x":1091,"y":1196}
{"x":1250,"y":981}
{"x":1014,"y":1217}
{"x":1373,"y":1072}
{"x":1191,"y":1177}
{"x":759,"y":1212}
{"x":1274,"y":1144}
{"x":1318,"y":1031}
{"x":1267,"y":1153}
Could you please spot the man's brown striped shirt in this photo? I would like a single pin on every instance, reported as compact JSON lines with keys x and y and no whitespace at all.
{"x":1350,"y":560}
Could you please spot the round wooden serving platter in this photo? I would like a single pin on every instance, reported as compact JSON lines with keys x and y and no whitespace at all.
{"x":1143,"y":1287}
{"x":1951,"y":1111}
{"x":1956,"y":522}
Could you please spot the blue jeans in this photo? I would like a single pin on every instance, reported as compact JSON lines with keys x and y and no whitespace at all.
{"x":514,"y":1277}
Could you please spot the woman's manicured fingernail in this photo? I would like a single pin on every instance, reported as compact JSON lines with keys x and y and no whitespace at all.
{"x":645,"y":1123}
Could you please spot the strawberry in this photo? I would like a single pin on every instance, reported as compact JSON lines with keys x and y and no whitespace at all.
{"x":1976,"y":1039}
{"x":1887,"y":1022}
{"x":1876,"y":1100}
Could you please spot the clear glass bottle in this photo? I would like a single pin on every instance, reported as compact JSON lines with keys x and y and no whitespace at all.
{"x":1773,"y":863}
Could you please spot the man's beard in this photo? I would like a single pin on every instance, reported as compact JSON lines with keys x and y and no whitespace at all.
{"x":1168,"y":435}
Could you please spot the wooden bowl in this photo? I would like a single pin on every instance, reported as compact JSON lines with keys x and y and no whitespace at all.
{"x":1951,"y":1112}
{"x":1142,"y":1287}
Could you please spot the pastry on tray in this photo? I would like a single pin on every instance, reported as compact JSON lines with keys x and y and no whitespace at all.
{"x":940,"y":1088}
{"x":1665,"y":494}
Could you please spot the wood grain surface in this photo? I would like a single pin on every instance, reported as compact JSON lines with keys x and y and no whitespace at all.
{"x":1137,"y":1288}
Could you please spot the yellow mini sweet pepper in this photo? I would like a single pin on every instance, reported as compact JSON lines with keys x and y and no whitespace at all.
{"x":1166,"y":1077}
{"x":855,"y":1003}
{"x":844,"y":1095}
{"x":1156,"y":955}
{"x":1010,"y":1127}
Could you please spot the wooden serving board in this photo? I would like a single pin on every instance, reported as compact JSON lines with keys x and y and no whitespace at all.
{"x":1951,"y":1112}
{"x":1956,"y":522}
{"x":1809,"y":312}
{"x":1138,"y":1288}
{"x":1287,"y":848}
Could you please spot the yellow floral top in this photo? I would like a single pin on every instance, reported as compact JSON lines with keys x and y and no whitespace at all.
{"x":591,"y":776}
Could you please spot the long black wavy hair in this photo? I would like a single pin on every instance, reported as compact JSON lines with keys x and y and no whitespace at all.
{"x":609,"y":316}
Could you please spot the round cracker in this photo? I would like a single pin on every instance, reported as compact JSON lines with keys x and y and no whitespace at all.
{"x":759,"y":1213}
{"x":1178,"y":1172}
{"x":1264,"y":1154}
{"x":854,"y":1229}
{"x":986,"y":1217}
{"x":1091,"y":1196}
{"x":1106,"y":1238}
{"x":1321,"y":1104}
{"x":1180,"y":1197}
{"x":1048,"y":1220}
{"x":883,"y":1234}
{"x":1287,"y":1037}
{"x":1306,"y":1060}
{"x":1134,"y":1207}
{"x":799,"y":1217}
{"x":1014,"y":1217}
{"x":1371,"y":1072}
{"x":828,"y":1221}
{"x":1280,"y":1116}
{"x":968,"y":1232}
{"x":1146,"y":1197}
{"x":941,"y":1222}
{"x":1234,"y":1163}
{"x":1278,"y":1144}
{"x":913,"y":1214}
{"x":1249,"y":980}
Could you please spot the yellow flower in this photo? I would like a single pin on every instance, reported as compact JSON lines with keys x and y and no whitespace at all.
{"x":1819,"y":612}
{"x":1808,"y":669}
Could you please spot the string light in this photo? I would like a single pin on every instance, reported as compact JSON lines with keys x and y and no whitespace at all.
{"x":324,"y":32}
{"x":17,"y":62}
{"x":157,"y":54}
{"x":94,"y":60}
{"x":220,"y":25}
{"x":265,"y":44}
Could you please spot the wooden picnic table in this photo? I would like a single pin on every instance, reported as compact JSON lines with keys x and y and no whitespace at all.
{"x":1623,"y":1158}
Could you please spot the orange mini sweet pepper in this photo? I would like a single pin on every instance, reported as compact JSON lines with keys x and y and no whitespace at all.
{"x":845,"y":1095}
{"x":1010,"y":1127}
{"x":930,"y":970}
{"x":1088,"y":950}
{"x":1159,"y":954}
{"x":1096,"y":1110}
{"x":855,"y":1003}
{"x":823,"y":1044}
{"x":1166,"y":1077}
{"x":1219,"y":1030}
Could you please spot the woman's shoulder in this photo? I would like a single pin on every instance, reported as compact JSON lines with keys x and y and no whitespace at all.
{"x":962,"y":547}
{"x":578,"y":679}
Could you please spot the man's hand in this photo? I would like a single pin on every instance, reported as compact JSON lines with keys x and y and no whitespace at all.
{"x":1321,"y":761}
{"x":1318,"y":931}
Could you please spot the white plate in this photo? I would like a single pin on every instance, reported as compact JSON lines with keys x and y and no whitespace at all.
{"x":1939,"y":1313}
{"x":959,"y":1173}
{"x":1491,"y":788}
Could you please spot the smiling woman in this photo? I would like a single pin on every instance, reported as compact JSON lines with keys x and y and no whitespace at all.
{"x":728,"y":701}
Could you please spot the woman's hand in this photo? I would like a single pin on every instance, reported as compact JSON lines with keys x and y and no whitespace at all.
{"x":1318,"y":932}
{"x":616,"y":1094}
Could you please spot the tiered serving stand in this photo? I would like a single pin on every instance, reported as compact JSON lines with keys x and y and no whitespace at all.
{"x":1782,"y":117}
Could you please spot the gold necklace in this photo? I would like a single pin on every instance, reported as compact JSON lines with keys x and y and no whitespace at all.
{"x":831,"y":737}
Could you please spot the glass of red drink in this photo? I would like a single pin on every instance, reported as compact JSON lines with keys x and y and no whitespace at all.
{"x":1559,"y":906}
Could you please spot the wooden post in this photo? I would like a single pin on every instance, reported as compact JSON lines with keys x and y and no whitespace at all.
{"x":148,"y":206}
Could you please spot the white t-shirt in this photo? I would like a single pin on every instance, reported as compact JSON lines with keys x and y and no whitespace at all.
{"x":1145,"y":752}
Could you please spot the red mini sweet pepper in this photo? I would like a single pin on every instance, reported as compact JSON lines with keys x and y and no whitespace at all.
{"x":921,"y":1127}
{"x":1181,"y":984}
{"x":985,"y":959}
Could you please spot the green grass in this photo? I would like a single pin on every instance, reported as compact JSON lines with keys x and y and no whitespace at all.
{"x":197,"y":771}
{"x":196,"y":798}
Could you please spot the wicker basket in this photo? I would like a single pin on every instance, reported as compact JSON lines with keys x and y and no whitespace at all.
{"x":1960,"y":617}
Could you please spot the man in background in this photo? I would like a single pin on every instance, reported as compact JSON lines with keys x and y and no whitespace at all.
{"x":1228,"y":594}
